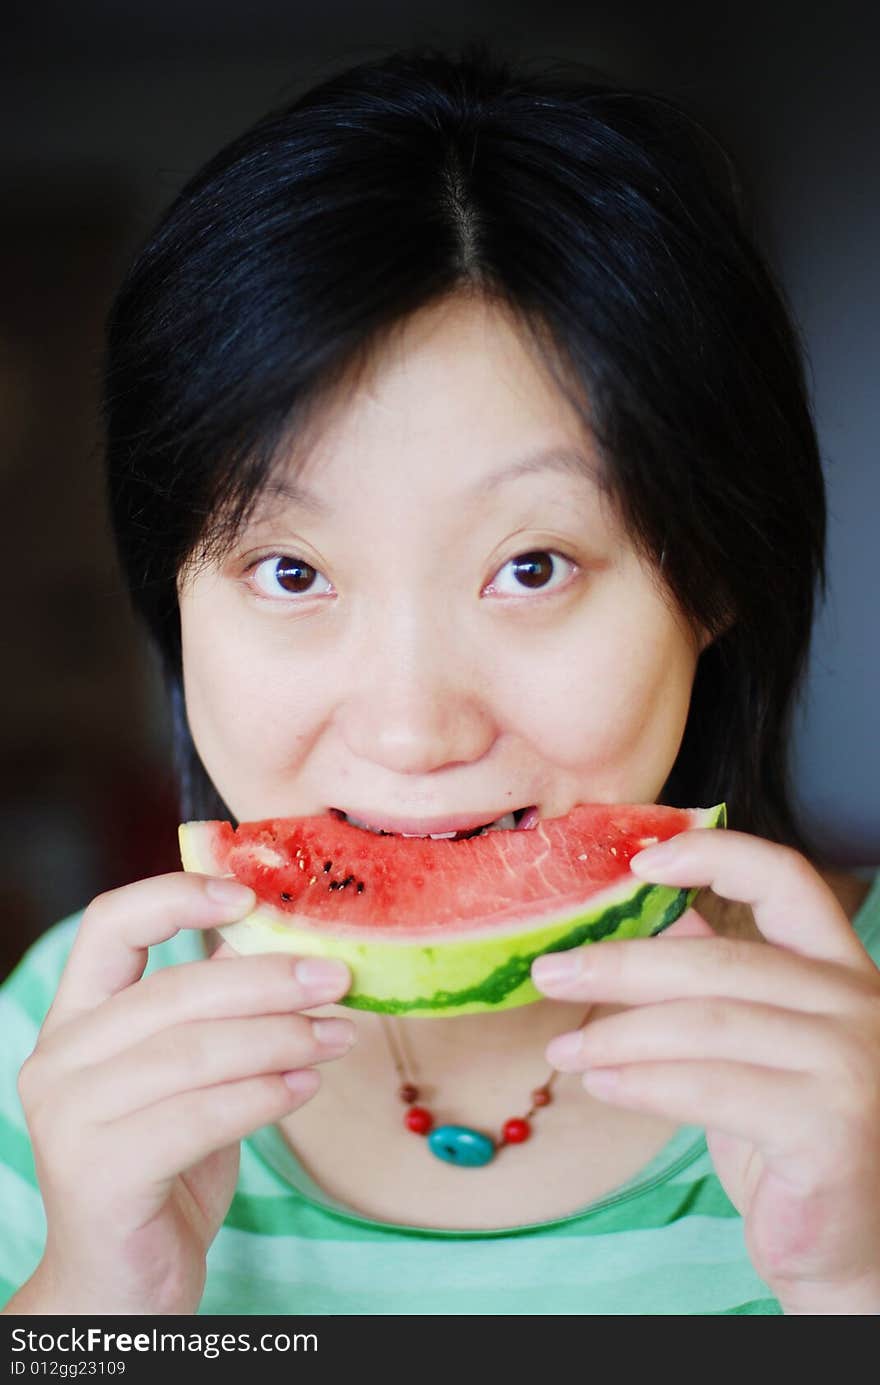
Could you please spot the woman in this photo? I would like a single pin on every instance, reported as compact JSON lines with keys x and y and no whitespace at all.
{"x":460,"y":462}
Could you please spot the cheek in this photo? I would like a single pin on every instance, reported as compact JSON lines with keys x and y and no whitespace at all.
{"x":617,"y":692}
{"x":249,"y":702}
{"x":251,"y":709}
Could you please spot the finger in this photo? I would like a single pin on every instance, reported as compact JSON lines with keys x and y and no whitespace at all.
{"x":639,"y":971}
{"x":263,"y":984}
{"x":690,"y":925}
{"x":792,"y":904}
{"x":118,"y":928}
{"x":190,"y":1057}
{"x":765,"y":1035}
{"x":773,"y":1109}
{"x":183,"y":1130}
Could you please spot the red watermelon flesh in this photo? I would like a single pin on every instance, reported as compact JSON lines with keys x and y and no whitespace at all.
{"x":444,"y":926}
{"x":353,"y":881}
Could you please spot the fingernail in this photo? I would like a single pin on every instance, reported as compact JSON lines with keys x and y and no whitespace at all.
{"x":557,"y":968}
{"x":334,"y":1033}
{"x":663,"y":857}
{"x":321,"y":973}
{"x":303,"y":1081}
{"x":564,"y":1049}
{"x":235,"y":898}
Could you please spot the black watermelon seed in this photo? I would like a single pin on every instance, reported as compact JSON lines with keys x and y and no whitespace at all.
{"x":360,"y":887}
{"x":286,"y":897}
{"x":327,"y":865}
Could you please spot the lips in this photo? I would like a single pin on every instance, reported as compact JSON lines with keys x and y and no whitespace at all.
{"x":462,"y":825}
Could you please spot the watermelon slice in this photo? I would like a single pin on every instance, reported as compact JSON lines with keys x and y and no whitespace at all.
{"x":444,"y":927}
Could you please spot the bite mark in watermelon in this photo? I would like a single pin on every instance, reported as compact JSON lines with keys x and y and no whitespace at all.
{"x":443,"y":927}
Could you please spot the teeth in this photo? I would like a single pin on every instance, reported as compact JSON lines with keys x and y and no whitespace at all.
{"x":506,"y":823}
{"x":356,"y":823}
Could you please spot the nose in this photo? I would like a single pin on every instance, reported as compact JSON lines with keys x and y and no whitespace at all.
{"x":416,"y":700}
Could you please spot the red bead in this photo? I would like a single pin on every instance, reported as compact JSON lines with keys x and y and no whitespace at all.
{"x":408,"y":1093}
{"x":541,"y":1097}
{"x":419,"y":1120}
{"x":515,"y":1131}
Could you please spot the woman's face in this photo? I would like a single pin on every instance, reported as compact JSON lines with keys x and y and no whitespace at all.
{"x":386,"y":649}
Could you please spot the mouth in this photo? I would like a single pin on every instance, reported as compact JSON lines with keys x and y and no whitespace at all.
{"x":450,"y":828}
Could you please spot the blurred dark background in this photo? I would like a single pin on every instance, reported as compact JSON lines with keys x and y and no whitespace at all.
{"x":108,"y":107}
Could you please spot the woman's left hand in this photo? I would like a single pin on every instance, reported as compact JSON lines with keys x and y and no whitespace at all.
{"x":774,"y":1050}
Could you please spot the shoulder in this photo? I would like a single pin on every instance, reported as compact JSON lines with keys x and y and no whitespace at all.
{"x":860,"y":898}
{"x":26,"y":997}
{"x":33,"y":981}
{"x":852,"y":891}
{"x":27,"y":992}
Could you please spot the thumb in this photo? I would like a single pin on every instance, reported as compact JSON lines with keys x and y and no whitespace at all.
{"x":690,"y":925}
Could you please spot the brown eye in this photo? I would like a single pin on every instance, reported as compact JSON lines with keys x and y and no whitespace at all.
{"x":283,"y":573}
{"x":293,"y":575}
{"x":533,"y":571}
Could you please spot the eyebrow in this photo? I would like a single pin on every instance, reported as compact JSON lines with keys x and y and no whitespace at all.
{"x":568,"y":460}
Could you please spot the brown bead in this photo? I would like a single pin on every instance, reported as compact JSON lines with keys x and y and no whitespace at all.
{"x":408,"y":1093}
{"x":541,"y":1097}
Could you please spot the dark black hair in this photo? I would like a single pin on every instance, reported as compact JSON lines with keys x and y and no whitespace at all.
{"x":613,"y":225}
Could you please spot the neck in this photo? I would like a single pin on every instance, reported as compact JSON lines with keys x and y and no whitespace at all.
{"x":469,"y":1064}
{"x":511,"y":1039}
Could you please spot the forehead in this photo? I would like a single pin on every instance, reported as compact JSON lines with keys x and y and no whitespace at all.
{"x":285,"y":493}
{"x":458,"y":394}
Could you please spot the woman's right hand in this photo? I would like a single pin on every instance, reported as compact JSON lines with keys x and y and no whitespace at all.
{"x":138,"y":1092}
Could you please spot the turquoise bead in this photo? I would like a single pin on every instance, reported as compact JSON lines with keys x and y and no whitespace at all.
{"x":456,"y":1144}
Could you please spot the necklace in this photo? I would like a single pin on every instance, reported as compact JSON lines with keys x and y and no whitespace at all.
{"x":459,"y":1144}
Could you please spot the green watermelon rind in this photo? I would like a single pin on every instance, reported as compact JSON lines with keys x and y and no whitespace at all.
{"x":438,"y":980}
{"x":510,"y":984}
